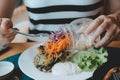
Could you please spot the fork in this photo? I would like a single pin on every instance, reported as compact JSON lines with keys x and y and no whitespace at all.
{"x":113,"y":74}
{"x":116,"y":74}
{"x":30,"y":35}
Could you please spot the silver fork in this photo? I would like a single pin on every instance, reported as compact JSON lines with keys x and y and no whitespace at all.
{"x":30,"y":35}
{"x":116,"y":74}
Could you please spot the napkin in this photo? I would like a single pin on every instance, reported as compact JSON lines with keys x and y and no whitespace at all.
{"x":17,"y":71}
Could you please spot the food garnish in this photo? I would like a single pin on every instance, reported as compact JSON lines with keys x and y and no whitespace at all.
{"x":53,"y":51}
{"x":60,"y":41}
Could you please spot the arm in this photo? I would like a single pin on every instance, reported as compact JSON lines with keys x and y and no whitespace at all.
{"x":6,"y":8}
{"x":114,"y":5}
{"x":113,"y":9}
{"x":107,"y":24}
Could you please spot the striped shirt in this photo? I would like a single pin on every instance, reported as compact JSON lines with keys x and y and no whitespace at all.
{"x":49,"y":15}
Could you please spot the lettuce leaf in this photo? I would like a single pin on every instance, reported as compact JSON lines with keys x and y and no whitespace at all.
{"x":89,"y":60}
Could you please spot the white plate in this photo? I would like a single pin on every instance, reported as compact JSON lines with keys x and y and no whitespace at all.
{"x":5,"y":68}
{"x":28,"y":68}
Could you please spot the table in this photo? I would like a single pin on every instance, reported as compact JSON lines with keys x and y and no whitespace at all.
{"x":16,"y":48}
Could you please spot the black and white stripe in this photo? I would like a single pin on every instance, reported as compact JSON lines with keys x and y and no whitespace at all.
{"x":59,"y":8}
{"x":59,"y":21}
{"x":45,"y":13}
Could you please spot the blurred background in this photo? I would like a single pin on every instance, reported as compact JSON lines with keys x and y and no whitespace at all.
{"x":20,"y":21}
{"x":19,"y":13}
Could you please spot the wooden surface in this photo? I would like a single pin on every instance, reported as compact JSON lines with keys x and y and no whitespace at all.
{"x":115,"y":44}
{"x":16,"y":48}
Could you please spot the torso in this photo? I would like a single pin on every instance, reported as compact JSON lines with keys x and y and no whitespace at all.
{"x":50,"y":14}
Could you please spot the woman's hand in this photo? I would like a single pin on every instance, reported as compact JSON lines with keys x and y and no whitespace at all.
{"x":107,"y":25}
{"x":6,"y":33}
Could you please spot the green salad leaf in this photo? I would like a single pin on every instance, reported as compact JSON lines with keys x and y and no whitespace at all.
{"x":89,"y":60}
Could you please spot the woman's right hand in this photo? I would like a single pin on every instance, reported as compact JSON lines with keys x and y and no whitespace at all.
{"x":6,"y":33}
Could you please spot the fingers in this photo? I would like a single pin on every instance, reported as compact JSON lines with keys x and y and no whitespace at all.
{"x":10,"y":35}
{"x":103,"y":24}
{"x":11,"y":38}
{"x":93,"y":26}
{"x":100,"y":30}
{"x":110,"y":33}
{"x":5,"y":25}
{"x":6,"y":33}
{"x":116,"y":37}
{"x":5,"y":39}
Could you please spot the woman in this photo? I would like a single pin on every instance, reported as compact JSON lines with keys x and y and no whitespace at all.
{"x":49,"y":15}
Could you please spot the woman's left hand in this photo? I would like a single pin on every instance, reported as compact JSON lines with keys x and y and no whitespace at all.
{"x":104,"y":24}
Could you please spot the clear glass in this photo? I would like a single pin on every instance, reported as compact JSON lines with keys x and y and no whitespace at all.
{"x":79,"y":39}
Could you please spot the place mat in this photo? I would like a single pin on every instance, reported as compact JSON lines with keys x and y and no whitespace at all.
{"x":17,"y":71}
{"x":113,"y":61}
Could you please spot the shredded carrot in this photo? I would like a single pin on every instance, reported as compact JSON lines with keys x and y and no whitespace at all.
{"x":53,"y":49}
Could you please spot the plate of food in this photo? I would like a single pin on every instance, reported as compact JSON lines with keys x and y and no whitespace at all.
{"x":26,"y":64}
{"x":59,"y":58}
